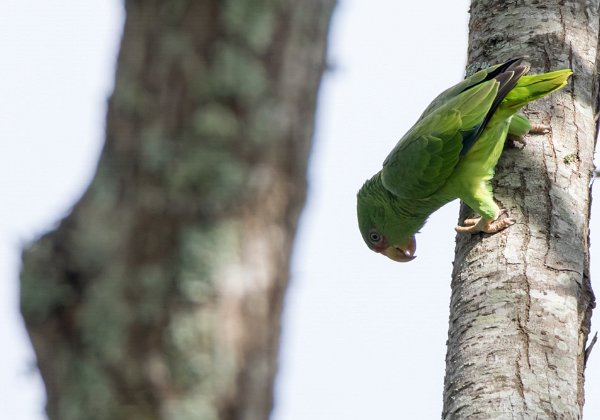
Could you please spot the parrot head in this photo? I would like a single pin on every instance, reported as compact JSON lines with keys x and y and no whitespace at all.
{"x":400,"y":252}
{"x":383,"y":229}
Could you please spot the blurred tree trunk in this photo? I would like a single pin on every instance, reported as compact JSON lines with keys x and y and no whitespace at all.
{"x":522,"y":300}
{"x":159,"y":296}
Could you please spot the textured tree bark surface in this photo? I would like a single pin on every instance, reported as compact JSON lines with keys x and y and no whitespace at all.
{"x":159,"y":296}
{"x":521,"y":299}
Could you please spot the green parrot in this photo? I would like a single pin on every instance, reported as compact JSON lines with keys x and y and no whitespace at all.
{"x":451,"y":152}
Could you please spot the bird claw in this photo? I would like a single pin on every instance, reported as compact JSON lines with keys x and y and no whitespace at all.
{"x":536,"y":129}
{"x":539,"y":129}
{"x":512,"y":139}
{"x":476,"y":225}
{"x":471,"y":222}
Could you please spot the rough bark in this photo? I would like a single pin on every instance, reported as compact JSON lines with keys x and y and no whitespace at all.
{"x":159,"y":296}
{"x":521,"y":300}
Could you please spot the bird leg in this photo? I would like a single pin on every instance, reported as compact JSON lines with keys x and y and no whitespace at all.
{"x":479,"y":224}
{"x":539,"y":129}
{"x":536,"y":129}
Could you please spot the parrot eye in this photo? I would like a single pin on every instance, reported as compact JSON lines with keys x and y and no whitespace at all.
{"x":374,"y":237}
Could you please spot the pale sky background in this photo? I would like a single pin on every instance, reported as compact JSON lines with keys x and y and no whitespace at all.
{"x":364,"y":338}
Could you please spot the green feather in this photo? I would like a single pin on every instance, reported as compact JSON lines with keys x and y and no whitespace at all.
{"x":451,"y":152}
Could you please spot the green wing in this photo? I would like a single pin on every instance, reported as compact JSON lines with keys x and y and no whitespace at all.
{"x":476,"y":78}
{"x":426,"y":156}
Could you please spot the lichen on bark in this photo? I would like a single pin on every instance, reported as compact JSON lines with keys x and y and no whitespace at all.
{"x":159,"y":296}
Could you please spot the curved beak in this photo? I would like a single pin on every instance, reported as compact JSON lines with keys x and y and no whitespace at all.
{"x":402,"y":253}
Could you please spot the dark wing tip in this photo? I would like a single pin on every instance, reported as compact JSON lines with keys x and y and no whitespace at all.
{"x":508,"y":80}
{"x":507,"y":75}
{"x":510,"y":65}
{"x":512,"y":61}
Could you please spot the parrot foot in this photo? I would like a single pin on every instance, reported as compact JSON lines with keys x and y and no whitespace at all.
{"x":539,"y":129}
{"x":512,"y":139}
{"x":536,"y":129}
{"x":479,"y":224}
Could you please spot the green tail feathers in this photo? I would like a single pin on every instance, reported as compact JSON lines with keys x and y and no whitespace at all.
{"x":530,"y":88}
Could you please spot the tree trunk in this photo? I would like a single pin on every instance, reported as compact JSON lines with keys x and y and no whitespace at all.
{"x":159,"y":296}
{"x":521,"y":299}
